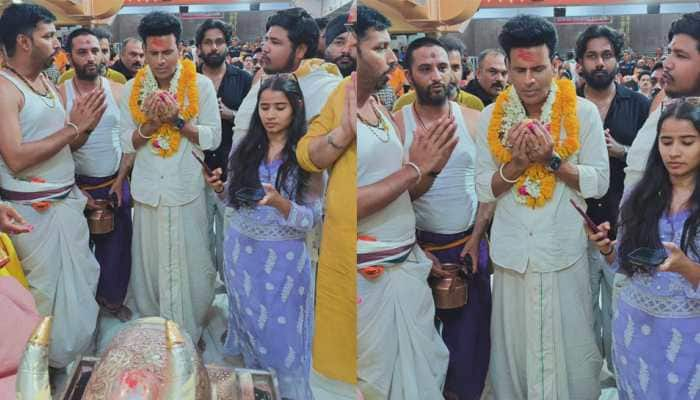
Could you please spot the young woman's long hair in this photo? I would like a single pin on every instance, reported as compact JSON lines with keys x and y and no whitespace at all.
{"x":641,"y":212}
{"x":252,"y":151}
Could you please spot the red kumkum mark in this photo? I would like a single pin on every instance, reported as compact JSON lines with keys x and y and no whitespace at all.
{"x":525,"y":55}
{"x":158,"y":41}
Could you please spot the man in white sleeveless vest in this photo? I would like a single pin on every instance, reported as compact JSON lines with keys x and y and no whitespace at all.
{"x":400,"y":353}
{"x":539,"y":147}
{"x":449,"y":227}
{"x":101,"y":170}
{"x":169,"y":111}
{"x":37,"y":177}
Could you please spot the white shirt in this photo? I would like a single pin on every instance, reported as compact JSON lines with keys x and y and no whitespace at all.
{"x":552,"y":237}
{"x":316,"y":85}
{"x":638,"y":154}
{"x":178,"y":179}
{"x":98,"y":157}
{"x":450,"y":205}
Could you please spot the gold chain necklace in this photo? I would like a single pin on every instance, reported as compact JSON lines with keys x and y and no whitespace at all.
{"x":380,"y":126}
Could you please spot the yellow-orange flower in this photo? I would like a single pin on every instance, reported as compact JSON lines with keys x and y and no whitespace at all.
{"x":186,"y":90}
{"x":563,"y":114}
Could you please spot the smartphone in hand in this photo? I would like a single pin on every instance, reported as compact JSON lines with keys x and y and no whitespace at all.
{"x":647,"y":257}
{"x":593,"y":227}
{"x":250,"y":196}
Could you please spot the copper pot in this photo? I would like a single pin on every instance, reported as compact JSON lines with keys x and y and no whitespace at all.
{"x":101,"y":219}
{"x":450,"y":292}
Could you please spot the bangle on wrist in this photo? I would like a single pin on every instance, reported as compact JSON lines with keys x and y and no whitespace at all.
{"x":74,"y":126}
{"x":612,"y":248}
{"x":414,"y":166}
{"x":329,"y":139}
{"x":506,"y":180}
{"x":141,"y":134}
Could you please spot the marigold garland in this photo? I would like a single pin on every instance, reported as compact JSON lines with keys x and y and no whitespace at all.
{"x":166,"y":140}
{"x":535,"y":186}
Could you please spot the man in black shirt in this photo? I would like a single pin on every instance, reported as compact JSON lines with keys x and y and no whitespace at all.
{"x":232,"y":85}
{"x":491,"y":76}
{"x":623,"y":113}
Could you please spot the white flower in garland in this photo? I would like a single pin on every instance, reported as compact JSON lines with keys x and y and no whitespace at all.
{"x":530,"y":188}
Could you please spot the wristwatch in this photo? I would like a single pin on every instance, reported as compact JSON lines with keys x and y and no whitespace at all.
{"x":179,"y":123}
{"x":554,"y":163}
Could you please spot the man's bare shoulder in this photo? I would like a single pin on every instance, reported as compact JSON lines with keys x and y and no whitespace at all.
{"x":10,"y":93}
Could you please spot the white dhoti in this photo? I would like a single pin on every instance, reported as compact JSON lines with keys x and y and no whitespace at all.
{"x":62,"y":273}
{"x":324,"y":388}
{"x":542,"y":341}
{"x":173,"y":274}
{"x":401,"y":356}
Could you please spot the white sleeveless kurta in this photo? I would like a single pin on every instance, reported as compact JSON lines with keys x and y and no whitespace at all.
{"x":435,"y":209}
{"x":101,"y":154}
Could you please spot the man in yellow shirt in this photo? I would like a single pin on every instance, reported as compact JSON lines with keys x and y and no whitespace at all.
{"x":104,"y":38}
{"x":329,"y":145}
{"x":454,"y":54}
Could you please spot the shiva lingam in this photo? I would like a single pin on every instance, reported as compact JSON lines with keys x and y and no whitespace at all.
{"x":150,"y":358}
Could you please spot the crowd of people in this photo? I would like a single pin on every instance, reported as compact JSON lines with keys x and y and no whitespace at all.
{"x":326,"y":182}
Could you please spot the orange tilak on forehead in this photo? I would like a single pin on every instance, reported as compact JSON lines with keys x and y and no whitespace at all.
{"x":525,"y":55}
{"x":159,"y":43}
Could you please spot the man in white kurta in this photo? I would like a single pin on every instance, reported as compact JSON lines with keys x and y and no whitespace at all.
{"x":542,"y":326}
{"x":173,"y":272}
{"x":542,"y":340}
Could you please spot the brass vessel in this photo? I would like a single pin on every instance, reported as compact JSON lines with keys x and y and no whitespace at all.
{"x":450,"y":292}
{"x":101,"y":220}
